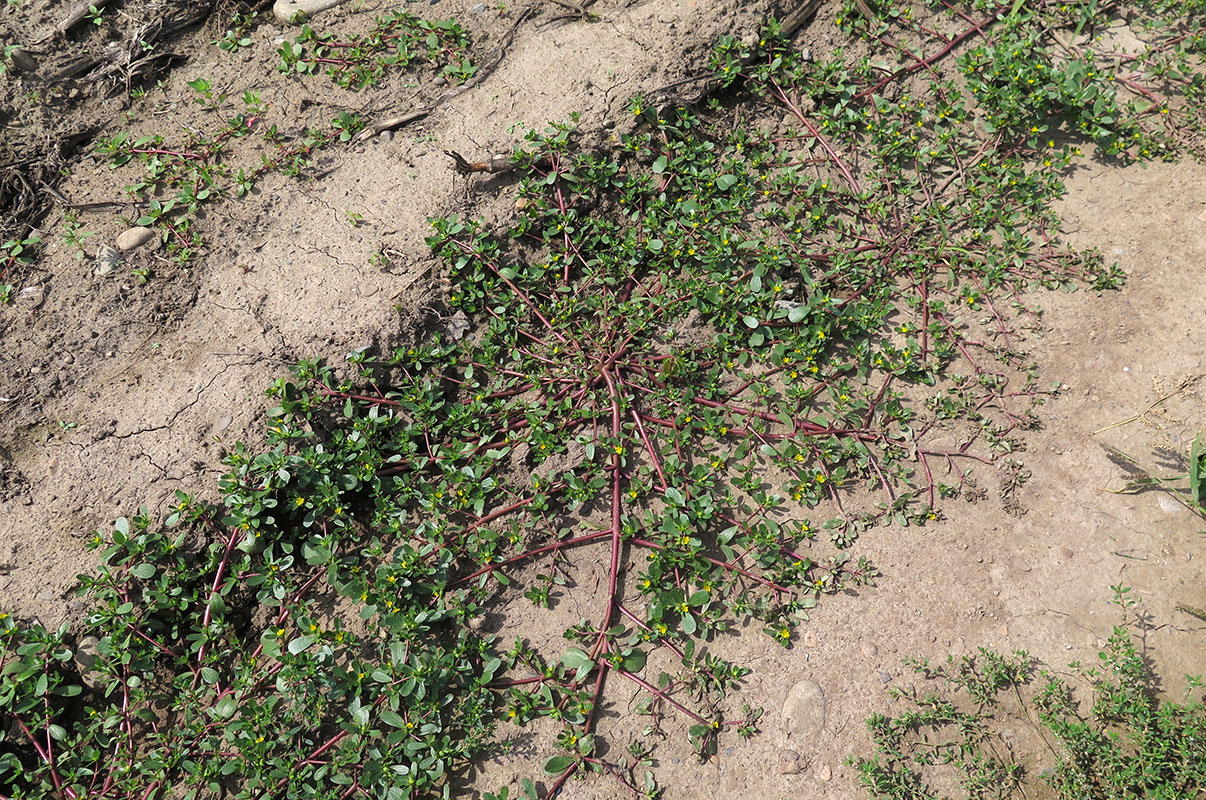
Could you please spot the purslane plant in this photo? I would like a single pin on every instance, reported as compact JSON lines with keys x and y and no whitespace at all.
{"x":680,"y":353}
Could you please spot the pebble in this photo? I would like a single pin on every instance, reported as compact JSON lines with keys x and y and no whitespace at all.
{"x":480,"y":8}
{"x":440,"y":81}
{"x":46,"y":596}
{"x":133,"y":238}
{"x":284,"y":10}
{"x":809,"y":639}
{"x":222,"y":423}
{"x":23,"y":60}
{"x":823,"y":772}
{"x":107,"y":259}
{"x":804,"y":709}
{"x":885,"y":677}
{"x":1168,"y":505}
{"x":868,"y":649}
{"x":31,"y":297}
{"x":85,"y":658}
{"x":789,"y":762}
{"x":457,"y":327}
{"x":386,"y":136}
{"x":1064,"y":552}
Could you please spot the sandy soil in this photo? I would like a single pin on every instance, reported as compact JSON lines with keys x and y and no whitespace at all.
{"x":115,"y":394}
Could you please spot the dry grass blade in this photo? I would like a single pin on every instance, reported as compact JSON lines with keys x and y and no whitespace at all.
{"x":26,"y":165}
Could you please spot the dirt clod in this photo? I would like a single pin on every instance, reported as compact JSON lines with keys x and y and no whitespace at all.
{"x":789,"y":762}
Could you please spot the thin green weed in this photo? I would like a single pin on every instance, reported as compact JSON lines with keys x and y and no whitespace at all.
{"x":1121,"y":742}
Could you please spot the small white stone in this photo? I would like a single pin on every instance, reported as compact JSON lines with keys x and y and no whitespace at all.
{"x":1168,"y":505}
{"x":31,"y":297}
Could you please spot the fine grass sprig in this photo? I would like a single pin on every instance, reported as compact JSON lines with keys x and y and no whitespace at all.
{"x":1105,"y":735}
